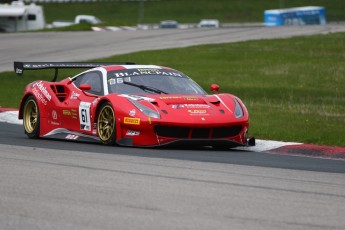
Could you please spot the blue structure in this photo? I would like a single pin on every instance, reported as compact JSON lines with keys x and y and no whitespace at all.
{"x":308,"y":15}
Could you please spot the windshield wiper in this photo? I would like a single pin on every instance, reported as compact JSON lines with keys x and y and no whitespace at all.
{"x":145,"y":88}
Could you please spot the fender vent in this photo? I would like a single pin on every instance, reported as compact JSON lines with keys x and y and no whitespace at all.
{"x":60,"y":92}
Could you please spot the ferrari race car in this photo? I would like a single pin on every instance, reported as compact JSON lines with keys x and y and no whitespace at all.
{"x":130,"y":105}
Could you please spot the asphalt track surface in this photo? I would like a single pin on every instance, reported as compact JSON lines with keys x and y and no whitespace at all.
{"x":47,"y":184}
{"x":77,"y":46}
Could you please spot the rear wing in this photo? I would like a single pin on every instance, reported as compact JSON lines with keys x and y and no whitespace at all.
{"x":19,"y":67}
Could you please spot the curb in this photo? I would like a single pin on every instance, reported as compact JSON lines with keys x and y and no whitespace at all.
{"x":317,"y":151}
{"x":7,"y":109}
{"x":10,"y":115}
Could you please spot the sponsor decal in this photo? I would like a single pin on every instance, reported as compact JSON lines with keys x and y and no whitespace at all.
{"x":167,"y":98}
{"x":132,"y":133}
{"x":146,"y":71}
{"x":39,"y":96}
{"x":84,"y":116}
{"x":66,"y":112}
{"x":72,"y":137}
{"x":131,"y":121}
{"x":195,"y":112}
{"x":74,"y":95}
{"x":132,"y":113}
{"x":43,"y":89}
{"x":176,"y":97}
{"x":72,"y":113}
{"x":198,"y":111}
{"x":190,"y":106}
{"x":55,"y":123}
{"x":54,"y":114}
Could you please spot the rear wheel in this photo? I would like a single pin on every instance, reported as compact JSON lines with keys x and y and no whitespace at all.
{"x":106,"y":124}
{"x":31,"y":118}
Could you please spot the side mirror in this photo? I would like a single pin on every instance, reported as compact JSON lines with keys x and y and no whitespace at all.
{"x":85,"y":87}
{"x":214,"y":88}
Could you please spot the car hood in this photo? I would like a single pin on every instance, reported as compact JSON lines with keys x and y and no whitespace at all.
{"x":196,"y":109}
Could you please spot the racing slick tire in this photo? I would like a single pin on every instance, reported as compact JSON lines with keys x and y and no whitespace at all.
{"x":106,"y":124}
{"x":31,"y":118}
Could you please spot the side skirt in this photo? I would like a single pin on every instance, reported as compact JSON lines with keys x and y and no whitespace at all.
{"x":65,"y":134}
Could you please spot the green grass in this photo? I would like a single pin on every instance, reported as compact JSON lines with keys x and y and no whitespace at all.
{"x":294,"y":88}
{"x":184,"y":11}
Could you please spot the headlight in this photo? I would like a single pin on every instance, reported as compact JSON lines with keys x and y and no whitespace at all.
{"x":238,"y":109}
{"x":145,"y":110}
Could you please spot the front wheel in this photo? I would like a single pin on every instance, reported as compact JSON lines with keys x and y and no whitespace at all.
{"x":106,"y":124}
{"x":31,"y":118}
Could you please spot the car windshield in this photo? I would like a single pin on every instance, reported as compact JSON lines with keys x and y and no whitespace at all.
{"x":151,"y":81}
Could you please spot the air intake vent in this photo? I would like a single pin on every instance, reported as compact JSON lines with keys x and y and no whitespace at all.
{"x":59,"y":91}
{"x":197,"y":133}
{"x":226,"y":131}
{"x":175,"y":132}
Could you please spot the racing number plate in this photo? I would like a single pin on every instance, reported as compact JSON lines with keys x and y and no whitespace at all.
{"x":84,"y":116}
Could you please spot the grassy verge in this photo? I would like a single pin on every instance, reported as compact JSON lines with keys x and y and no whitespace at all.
{"x":185,"y":11}
{"x":294,"y":88}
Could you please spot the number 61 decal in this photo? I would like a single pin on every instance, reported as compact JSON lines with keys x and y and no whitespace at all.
{"x":84,"y":116}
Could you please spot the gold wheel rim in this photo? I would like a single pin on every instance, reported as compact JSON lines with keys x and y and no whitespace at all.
{"x":106,"y":123}
{"x":30,"y":116}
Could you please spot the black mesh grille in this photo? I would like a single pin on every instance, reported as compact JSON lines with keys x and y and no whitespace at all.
{"x":168,"y":131}
{"x":198,"y":133}
{"x":201,"y":133}
{"x":226,"y":131}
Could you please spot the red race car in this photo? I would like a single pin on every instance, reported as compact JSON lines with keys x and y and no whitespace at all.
{"x":130,"y":105}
